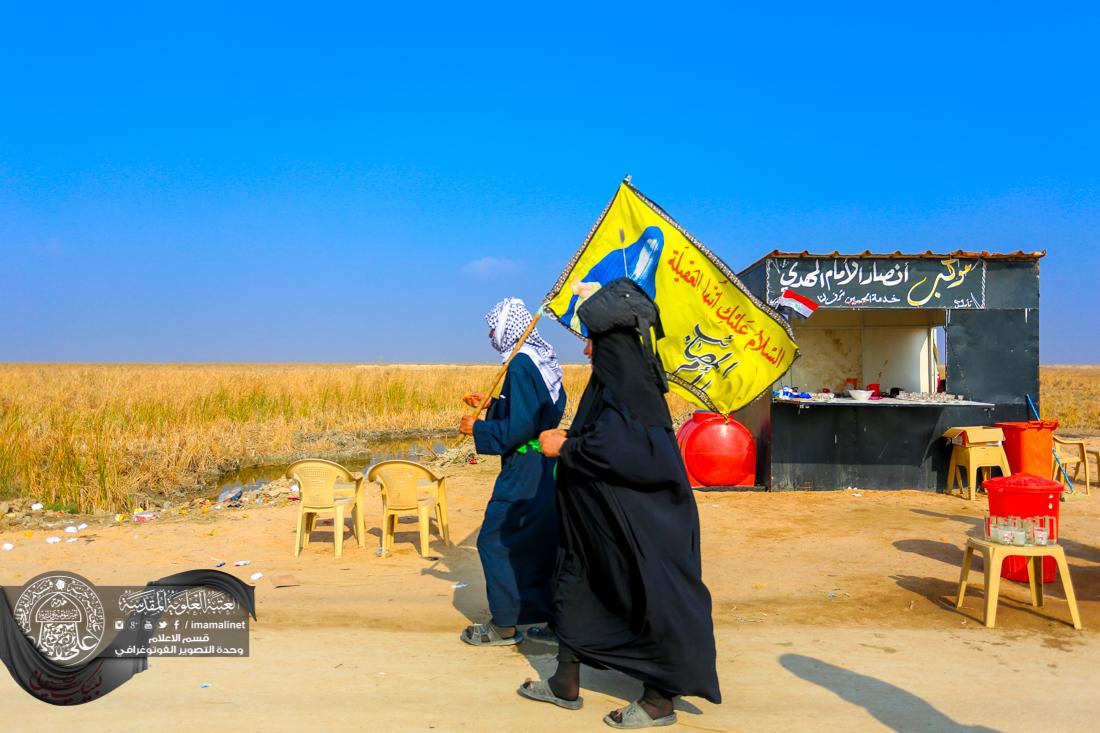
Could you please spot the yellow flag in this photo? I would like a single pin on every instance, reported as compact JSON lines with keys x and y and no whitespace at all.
{"x":723,"y":347}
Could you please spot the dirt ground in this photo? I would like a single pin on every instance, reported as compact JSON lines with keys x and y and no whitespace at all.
{"x":833,"y":611}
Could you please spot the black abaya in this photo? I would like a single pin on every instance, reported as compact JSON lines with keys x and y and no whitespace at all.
{"x":629,"y":593}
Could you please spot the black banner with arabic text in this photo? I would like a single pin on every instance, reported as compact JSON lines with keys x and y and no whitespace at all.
{"x":876,"y":282}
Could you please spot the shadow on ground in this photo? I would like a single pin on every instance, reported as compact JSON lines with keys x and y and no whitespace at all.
{"x":943,"y":551}
{"x":890,"y":705}
{"x":1086,"y":580}
{"x":542,"y":657}
{"x":460,"y":563}
{"x":1073,"y":549}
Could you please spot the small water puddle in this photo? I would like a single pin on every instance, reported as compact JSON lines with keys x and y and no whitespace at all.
{"x":254,"y":477}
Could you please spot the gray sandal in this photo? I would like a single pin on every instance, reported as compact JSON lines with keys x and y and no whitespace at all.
{"x":540,"y":691}
{"x":487,"y":635}
{"x":635,"y":716}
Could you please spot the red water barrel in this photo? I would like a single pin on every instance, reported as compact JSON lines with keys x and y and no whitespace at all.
{"x":1024,"y":495}
{"x":717,"y":451}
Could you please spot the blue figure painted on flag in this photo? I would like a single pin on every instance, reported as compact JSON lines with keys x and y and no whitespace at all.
{"x":637,"y":261}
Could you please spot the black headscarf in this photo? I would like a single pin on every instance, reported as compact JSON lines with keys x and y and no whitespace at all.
{"x":621,"y":320}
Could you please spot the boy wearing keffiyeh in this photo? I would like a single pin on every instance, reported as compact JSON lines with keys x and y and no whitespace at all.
{"x":519,"y":535}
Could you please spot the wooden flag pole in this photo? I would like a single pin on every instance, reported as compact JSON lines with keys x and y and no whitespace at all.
{"x":503,"y":370}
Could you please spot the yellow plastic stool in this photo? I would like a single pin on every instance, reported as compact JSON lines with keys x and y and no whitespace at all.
{"x":993,"y":554}
{"x":974,"y":448}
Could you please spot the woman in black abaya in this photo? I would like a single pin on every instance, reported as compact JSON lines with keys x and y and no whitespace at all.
{"x":628,"y":588}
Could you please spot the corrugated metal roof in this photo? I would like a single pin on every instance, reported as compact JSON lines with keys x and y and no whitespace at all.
{"x":899,"y":255}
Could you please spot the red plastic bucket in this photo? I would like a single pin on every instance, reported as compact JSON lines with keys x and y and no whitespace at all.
{"x":717,"y":451}
{"x":1024,"y":495}
{"x":1029,"y":446}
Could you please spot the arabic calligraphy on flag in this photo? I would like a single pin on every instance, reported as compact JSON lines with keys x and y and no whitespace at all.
{"x":723,"y":347}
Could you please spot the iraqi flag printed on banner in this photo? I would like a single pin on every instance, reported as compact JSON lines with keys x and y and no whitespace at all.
{"x":800,"y":304}
{"x":723,"y":347}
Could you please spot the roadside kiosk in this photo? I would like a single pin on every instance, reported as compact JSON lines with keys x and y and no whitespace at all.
{"x":950,"y":339}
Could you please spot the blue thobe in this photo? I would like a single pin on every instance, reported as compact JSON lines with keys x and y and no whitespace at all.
{"x":519,"y":536}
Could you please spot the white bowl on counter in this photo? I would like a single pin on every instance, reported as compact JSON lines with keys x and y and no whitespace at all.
{"x":860,"y":395}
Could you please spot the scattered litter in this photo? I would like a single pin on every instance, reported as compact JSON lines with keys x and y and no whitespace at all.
{"x":230,"y":494}
{"x":378,"y":551}
{"x":204,"y":685}
{"x":71,"y":529}
{"x":255,"y":576}
{"x":210,"y":533}
{"x":145,"y":517}
{"x":82,"y":526}
{"x":53,"y":540}
{"x":324,"y":522}
{"x":72,"y":539}
{"x":120,"y":517}
{"x":284,"y":581}
{"x":456,"y":586}
{"x":910,"y":606}
{"x":36,"y":507}
{"x":28,"y":533}
{"x":7,"y":546}
{"x":857,"y":494}
{"x":242,"y":563}
{"x":220,"y":565}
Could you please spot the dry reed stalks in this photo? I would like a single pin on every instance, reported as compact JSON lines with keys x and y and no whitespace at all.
{"x":90,"y":437}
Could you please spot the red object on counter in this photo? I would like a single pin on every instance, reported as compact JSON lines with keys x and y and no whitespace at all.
{"x":717,"y":451}
{"x":1024,"y":495}
{"x":1029,"y":445}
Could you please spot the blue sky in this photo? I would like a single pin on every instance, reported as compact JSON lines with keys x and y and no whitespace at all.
{"x":255,"y":182}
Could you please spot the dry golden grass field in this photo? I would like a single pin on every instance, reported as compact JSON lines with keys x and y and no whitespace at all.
{"x":91,"y":437}
{"x":87,"y":437}
{"x":1072,"y":395}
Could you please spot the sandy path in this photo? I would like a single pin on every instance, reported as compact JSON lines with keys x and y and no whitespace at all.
{"x":830,"y":613}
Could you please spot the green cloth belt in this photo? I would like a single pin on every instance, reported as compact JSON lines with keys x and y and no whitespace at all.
{"x":529,"y":445}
